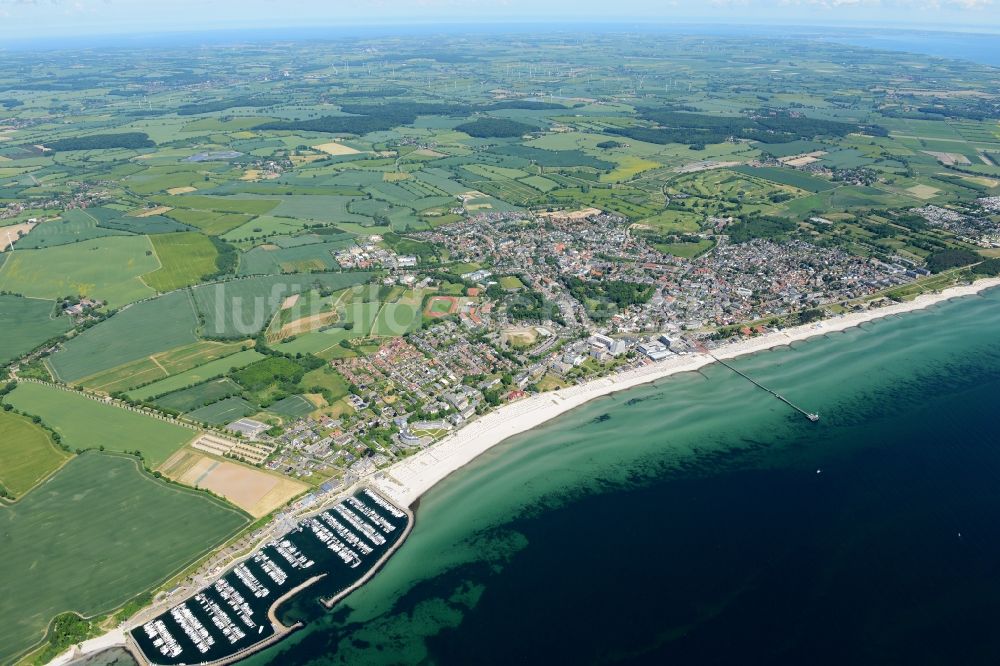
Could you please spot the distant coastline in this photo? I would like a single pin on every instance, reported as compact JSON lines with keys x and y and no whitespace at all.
{"x":406,"y":481}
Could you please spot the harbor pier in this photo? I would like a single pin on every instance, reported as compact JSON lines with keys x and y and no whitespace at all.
{"x":812,"y":416}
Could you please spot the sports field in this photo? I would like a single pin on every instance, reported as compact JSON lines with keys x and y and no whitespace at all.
{"x":27,"y":454}
{"x":511,"y":283}
{"x":439,"y":306}
{"x":140,"y":331}
{"x":185,"y":258}
{"x":686,"y":250}
{"x":27,"y":323}
{"x":96,"y":534}
{"x":107,"y":269}
{"x":89,"y":424}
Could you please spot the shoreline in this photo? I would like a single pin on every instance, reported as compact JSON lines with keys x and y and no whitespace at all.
{"x":406,"y":481}
{"x":330,"y":602}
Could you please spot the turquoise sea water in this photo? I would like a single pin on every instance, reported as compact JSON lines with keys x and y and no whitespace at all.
{"x":700,"y":521}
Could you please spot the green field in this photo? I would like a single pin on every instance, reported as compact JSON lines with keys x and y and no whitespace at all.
{"x":75,"y":225}
{"x":628,"y":167}
{"x":792,"y":177}
{"x":250,"y":206}
{"x":674,"y":221}
{"x":189,"y":399}
{"x":96,"y":534}
{"x":395,"y":319}
{"x":511,"y":283}
{"x":107,"y":269}
{"x":222,"y":412}
{"x":159,"y":366}
{"x":27,"y":323}
{"x":686,"y":250}
{"x":294,"y":406}
{"x":27,"y":454}
{"x":241,"y":308}
{"x":185,"y":259}
{"x":211,"y":222}
{"x":326,"y":344}
{"x":327,"y":380}
{"x":318,"y":207}
{"x":197,"y":375}
{"x":144,"y":329}
{"x":847,"y":198}
{"x":85,"y":423}
{"x":300,"y":259}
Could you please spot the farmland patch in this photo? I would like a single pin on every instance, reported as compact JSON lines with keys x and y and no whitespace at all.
{"x":86,"y":423}
{"x":99,"y":508}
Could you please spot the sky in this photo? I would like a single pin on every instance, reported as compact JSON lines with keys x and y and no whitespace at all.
{"x":20,"y":19}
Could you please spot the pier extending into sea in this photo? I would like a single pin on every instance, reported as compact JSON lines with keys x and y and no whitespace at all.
{"x":812,"y":416}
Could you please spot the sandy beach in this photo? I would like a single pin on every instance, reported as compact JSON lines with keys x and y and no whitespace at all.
{"x":407,"y":480}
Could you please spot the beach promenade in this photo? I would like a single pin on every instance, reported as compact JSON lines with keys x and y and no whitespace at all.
{"x":407,"y":480}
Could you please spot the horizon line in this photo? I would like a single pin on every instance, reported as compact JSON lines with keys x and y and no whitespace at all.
{"x":638,"y":24}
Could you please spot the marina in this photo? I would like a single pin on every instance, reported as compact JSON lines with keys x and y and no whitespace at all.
{"x":236,"y":615}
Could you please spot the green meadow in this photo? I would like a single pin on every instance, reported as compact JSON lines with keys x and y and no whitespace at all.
{"x":135,"y":333}
{"x":242,"y":308}
{"x":185,"y":259}
{"x":192,"y":398}
{"x":107,"y":269}
{"x":197,"y":375}
{"x":222,"y":412}
{"x":27,"y":454}
{"x":87,"y":423}
{"x":27,"y":323}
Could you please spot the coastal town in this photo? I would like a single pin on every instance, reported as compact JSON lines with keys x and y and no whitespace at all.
{"x":257,"y":299}
{"x":528,"y":332}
